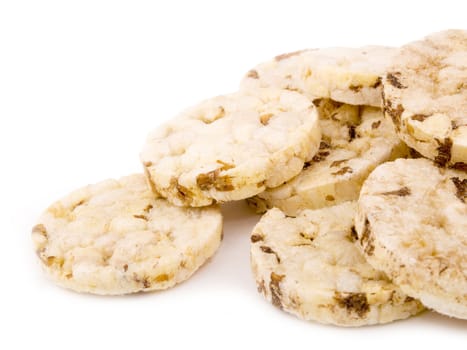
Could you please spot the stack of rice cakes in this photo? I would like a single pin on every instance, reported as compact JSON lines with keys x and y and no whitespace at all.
{"x":357,"y":231}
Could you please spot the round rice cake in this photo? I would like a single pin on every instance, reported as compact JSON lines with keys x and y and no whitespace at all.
{"x":425,"y":95}
{"x":310,"y":266}
{"x":114,"y":238}
{"x":349,"y":75}
{"x":355,"y":139}
{"x":231,"y":147}
{"x":412,"y":224}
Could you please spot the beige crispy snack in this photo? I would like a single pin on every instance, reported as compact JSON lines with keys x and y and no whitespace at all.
{"x":355,"y":139}
{"x":349,"y":75}
{"x":114,"y":238}
{"x":309,"y":266}
{"x":412,"y":224}
{"x":425,"y":95}
{"x":231,"y":147}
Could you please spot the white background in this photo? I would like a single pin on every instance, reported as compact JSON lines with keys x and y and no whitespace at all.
{"x":82,"y":82}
